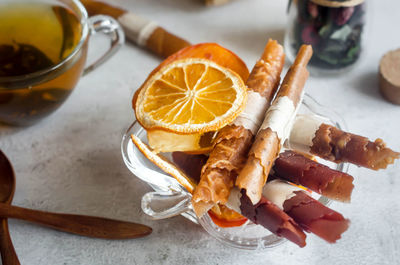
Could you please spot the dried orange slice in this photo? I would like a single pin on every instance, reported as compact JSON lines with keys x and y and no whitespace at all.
{"x":210,"y":51}
{"x":213,"y":52}
{"x":226,"y":217}
{"x":159,"y":140}
{"x":189,"y":96}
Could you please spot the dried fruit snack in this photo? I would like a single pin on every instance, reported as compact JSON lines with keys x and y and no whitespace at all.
{"x":192,"y":95}
{"x":160,"y":140}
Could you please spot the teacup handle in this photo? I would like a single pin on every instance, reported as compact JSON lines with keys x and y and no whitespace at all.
{"x":161,"y":205}
{"x":110,"y":27}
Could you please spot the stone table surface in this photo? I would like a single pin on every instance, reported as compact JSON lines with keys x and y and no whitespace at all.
{"x":71,"y":161}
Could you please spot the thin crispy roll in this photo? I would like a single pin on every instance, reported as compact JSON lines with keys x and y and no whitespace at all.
{"x":275,"y":128}
{"x":233,"y":141}
{"x":313,"y":136}
{"x":315,"y":217}
{"x":300,"y":170}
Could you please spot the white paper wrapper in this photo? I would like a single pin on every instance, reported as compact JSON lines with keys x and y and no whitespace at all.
{"x":303,"y":132}
{"x":234,"y":200}
{"x":278,"y":191}
{"x":137,"y":28}
{"x":280,"y":117}
{"x":252,"y":116}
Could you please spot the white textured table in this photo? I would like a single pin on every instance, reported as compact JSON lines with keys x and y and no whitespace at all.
{"x":71,"y":161}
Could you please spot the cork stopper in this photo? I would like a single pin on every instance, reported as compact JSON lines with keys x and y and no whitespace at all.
{"x":338,"y":3}
{"x":389,"y":76}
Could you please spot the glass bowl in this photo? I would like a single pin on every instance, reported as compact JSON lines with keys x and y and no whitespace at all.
{"x":169,"y":198}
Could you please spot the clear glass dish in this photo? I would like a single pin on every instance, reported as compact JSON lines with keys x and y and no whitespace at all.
{"x":169,"y":198}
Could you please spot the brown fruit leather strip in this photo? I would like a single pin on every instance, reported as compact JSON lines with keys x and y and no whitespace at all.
{"x":270,"y":216}
{"x":316,"y":218}
{"x":233,"y":142}
{"x":267,"y":144}
{"x":190,"y":164}
{"x":300,"y":170}
{"x":338,"y":146}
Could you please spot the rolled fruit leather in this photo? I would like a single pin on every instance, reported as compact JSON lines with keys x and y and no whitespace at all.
{"x":313,"y":136}
{"x":265,"y":213}
{"x":309,"y":213}
{"x":283,"y":207}
{"x":275,"y":128}
{"x":233,"y":141}
{"x":139,"y":30}
{"x":270,"y":216}
{"x":303,"y":171}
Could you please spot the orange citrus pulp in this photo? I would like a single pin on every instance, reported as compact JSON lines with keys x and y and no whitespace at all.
{"x":164,"y":141}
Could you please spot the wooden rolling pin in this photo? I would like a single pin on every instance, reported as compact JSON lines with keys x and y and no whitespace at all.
{"x":139,"y":30}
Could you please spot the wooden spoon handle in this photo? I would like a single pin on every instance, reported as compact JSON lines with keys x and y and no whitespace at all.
{"x":78,"y":224}
{"x":8,"y":255}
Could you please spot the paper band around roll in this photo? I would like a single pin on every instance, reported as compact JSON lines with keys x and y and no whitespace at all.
{"x":278,"y":191}
{"x":279,"y":117}
{"x":303,"y":132}
{"x":252,"y":116}
{"x":234,"y":200}
{"x":342,"y":3}
{"x":137,"y":28}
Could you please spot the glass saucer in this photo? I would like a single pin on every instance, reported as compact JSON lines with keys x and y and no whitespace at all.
{"x":170,"y":198}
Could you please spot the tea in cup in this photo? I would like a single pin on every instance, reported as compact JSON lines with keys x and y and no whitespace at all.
{"x":43,"y":48}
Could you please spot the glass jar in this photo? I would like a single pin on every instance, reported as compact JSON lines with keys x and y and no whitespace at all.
{"x":334,"y":28}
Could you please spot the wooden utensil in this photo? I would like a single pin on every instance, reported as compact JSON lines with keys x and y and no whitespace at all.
{"x":76,"y":224}
{"x":139,"y":30}
{"x":7,"y":188}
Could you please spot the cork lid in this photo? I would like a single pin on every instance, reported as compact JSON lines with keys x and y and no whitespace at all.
{"x":338,"y":3}
{"x":389,"y":76}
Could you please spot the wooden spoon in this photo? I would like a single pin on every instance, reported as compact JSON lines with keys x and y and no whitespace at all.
{"x":76,"y":224}
{"x":8,"y":254}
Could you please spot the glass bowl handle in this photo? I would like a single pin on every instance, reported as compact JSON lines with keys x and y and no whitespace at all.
{"x":111,"y":28}
{"x":162,"y":205}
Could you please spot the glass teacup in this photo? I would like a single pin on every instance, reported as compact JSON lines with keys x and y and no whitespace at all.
{"x":43,"y":50}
